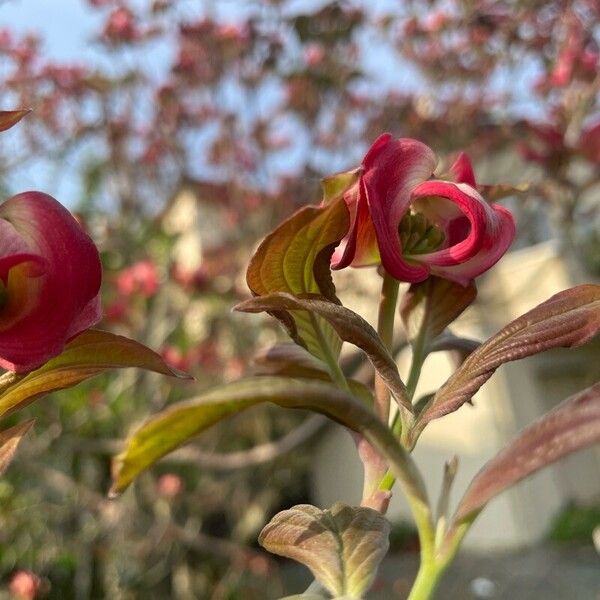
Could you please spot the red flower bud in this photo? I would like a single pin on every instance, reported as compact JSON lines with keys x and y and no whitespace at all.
{"x":50,"y":276}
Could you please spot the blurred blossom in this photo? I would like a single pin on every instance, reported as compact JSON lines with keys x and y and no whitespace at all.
{"x":231,"y":31}
{"x":25,"y":585}
{"x":259,"y":565}
{"x":175,"y":357}
{"x":116,"y":311}
{"x":589,"y":143}
{"x":235,"y":368}
{"x":314,"y":54}
{"x":139,"y":278}
{"x":121,"y":26}
{"x":436,"y":21}
{"x":96,"y":398}
{"x":170,"y":485}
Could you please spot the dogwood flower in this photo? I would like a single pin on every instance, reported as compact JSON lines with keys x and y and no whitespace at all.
{"x":50,"y":277}
{"x":416,"y":226}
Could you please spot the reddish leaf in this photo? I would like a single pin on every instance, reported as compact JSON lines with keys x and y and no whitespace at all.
{"x":569,"y":318}
{"x":9,"y":118}
{"x":294,"y":258}
{"x":290,"y":360}
{"x":347,"y":324}
{"x":429,"y":307}
{"x":85,"y":356}
{"x":573,"y":425}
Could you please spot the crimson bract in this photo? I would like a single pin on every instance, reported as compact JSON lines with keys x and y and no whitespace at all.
{"x":457,"y":236}
{"x":50,"y":278}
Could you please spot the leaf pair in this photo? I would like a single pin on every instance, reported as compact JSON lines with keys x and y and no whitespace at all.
{"x":290,"y":277}
{"x":349,"y":326}
{"x":342,"y":546}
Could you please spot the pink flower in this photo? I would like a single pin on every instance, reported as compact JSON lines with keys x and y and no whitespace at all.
{"x":121,"y":26}
{"x":170,"y":485}
{"x":314,"y":54}
{"x":50,"y":277}
{"x":175,"y":357}
{"x":139,"y":278}
{"x":25,"y":585}
{"x":417,"y":226}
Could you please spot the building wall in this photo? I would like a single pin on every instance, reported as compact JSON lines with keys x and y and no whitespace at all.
{"x":516,"y":395}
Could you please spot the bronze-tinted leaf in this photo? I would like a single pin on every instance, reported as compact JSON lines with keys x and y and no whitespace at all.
{"x":85,"y":356}
{"x":290,"y":360}
{"x":9,"y":118}
{"x":453,"y":343}
{"x":180,"y":423}
{"x":347,"y":324}
{"x":498,"y":191}
{"x":342,"y":546}
{"x":573,"y":425}
{"x":294,"y":258}
{"x":9,"y":440}
{"x":569,"y":318}
{"x":430,"y":306}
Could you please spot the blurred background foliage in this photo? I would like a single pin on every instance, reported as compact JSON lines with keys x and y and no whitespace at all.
{"x":180,"y":170}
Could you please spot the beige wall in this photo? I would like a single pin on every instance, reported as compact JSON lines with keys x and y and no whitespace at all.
{"x":519,"y":393}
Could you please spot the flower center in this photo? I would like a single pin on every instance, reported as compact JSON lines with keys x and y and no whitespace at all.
{"x":418,"y":235}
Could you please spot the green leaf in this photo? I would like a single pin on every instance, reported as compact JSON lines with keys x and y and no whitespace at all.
{"x":183,"y":421}
{"x":295,"y":258}
{"x":342,"y":546}
{"x":571,"y":426}
{"x":569,"y":318}
{"x":9,"y":118}
{"x":9,"y":440}
{"x":87,"y":355}
{"x":349,"y":326}
{"x":429,"y":307}
{"x":335,"y":186}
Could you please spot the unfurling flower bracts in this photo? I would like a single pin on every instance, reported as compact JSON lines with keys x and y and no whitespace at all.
{"x":50,"y":276}
{"x":417,"y":226}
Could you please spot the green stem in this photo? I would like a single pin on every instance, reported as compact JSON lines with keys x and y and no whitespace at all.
{"x":385,"y":329}
{"x":427,"y":580}
{"x":418,"y":358}
{"x":433,"y":567}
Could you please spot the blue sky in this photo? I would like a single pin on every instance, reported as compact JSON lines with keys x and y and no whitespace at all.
{"x":66,"y":25}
